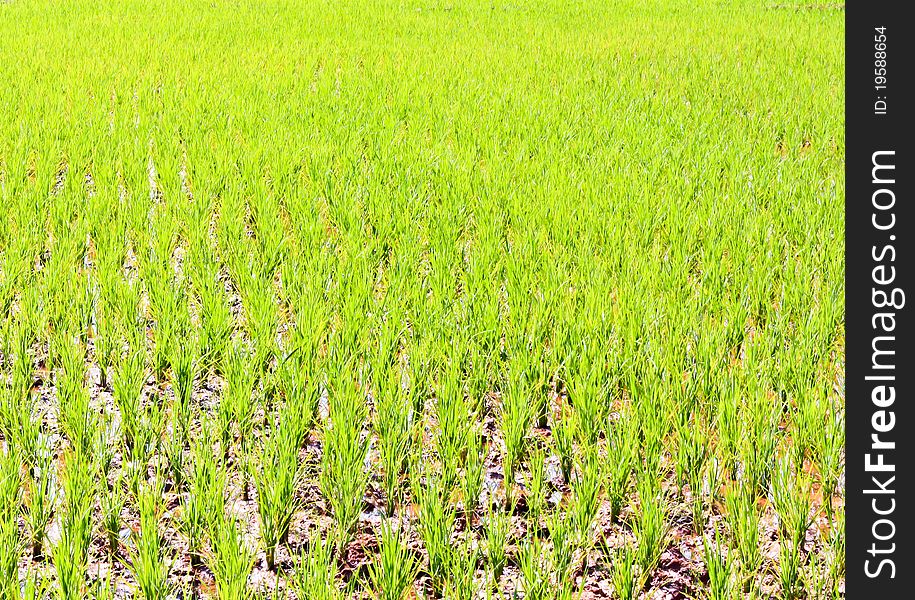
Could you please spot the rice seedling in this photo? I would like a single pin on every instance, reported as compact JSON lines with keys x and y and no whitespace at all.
{"x":215,"y":316}
{"x":343,"y":472}
{"x":148,"y":561}
{"x":497,"y":535}
{"x":515,"y":422}
{"x":790,"y":493}
{"x":129,"y":377}
{"x":589,"y":396}
{"x":586,"y":490}
{"x":33,"y":587}
{"x":718,"y":563}
{"x":650,"y":527}
{"x":148,"y":441}
{"x":230,"y":558}
{"x":392,"y":423}
{"x":276,"y":481}
{"x":742,"y":515}
{"x":184,"y":371}
{"x":315,"y":576}
{"x":40,"y":491}
{"x":534,"y":569}
{"x":10,"y":536}
{"x":837,"y":549}
{"x":112,"y":499}
{"x":204,"y":500}
{"x":75,"y":417}
{"x":436,"y":524}
{"x":564,"y":544}
{"x":70,"y":554}
{"x":623,"y":566}
{"x":536,"y":487}
{"x":462,"y":577}
{"x":828,"y":454}
{"x":452,"y":411}
{"x":392,"y":573}
{"x":237,"y":406}
{"x":563,"y":440}
{"x":622,"y":453}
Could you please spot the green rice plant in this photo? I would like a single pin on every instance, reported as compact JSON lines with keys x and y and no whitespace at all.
{"x":589,"y":395}
{"x":420,"y":375}
{"x":215,"y":317}
{"x":789,"y":571}
{"x":260,"y":312}
{"x":720,"y":567}
{"x":624,"y":572}
{"x":536,"y":487}
{"x":70,"y":554}
{"x":238,"y":397}
{"x":742,"y":516}
{"x":806,"y":423}
{"x":343,"y":476}
{"x":184,"y":371}
{"x":32,"y":587}
{"x":756,"y":449}
{"x":654,"y":428}
{"x":39,"y":496}
{"x":224,"y":419}
{"x":75,"y":417}
{"x":837,"y":554}
{"x":103,"y":588}
{"x":622,"y":454}
{"x":692,"y":450}
{"x":107,"y":339}
{"x":204,"y":501}
{"x":276,"y":482}
{"x":472,"y":483}
{"x":172,"y":322}
{"x":498,"y":527}
{"x":828,"y":452}
{"x":315,"y":575}
{"x":563,"y":440}
{"x":587,"y":486}
{"x":562,"y":536}
{"x":650,"y":526}
{"x":730,"y":432}
{"x":436,"y":523}
{"x":461,"y":581}
{"x":514,"y":424}
{"x":148,"y":439}
{"x":535,"y":573}
{"x":230,"y":558}
{"x":392,"y":423}
{"x":269,"y":234}
{"x":173,"y":447}
{"x":10,"y":537}
{"x":790,"y":494}
{"x":297,"y":381}
{"x":148,"y":561}
{"x":692,"y":454}
{"x":129,"y":378}
{"x":452,"y":412}
{"x":112,"y":498}
{"x":22,"y":368}
{"x":393,"y":571}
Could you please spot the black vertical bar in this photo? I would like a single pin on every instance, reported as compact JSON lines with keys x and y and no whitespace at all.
{"x":878,"y":227}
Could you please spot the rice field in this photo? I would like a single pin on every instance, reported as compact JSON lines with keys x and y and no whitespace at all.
{"x":421,"y":299}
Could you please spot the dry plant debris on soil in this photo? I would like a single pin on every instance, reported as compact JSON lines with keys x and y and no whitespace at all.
{"x":421,"y":299}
